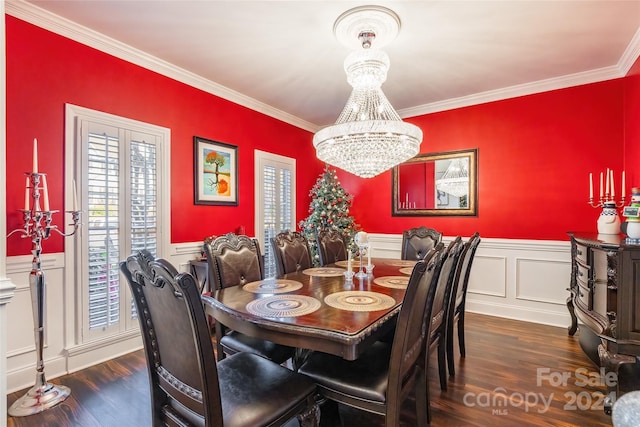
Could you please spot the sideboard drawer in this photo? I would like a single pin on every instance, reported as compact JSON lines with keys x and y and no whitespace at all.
{"x":583,"y":273}
{"x":581,"y":254}
{"x":584,"y":295}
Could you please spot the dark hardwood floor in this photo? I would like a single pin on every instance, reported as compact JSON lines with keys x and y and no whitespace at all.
{"x":512,"y":376}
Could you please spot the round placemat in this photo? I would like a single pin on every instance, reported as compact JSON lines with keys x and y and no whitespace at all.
{"x":402,"y":263}
{"x":283,"y":306}
{"x":359,"y":301}
{"x":324,"y":271}
{"x":398,"y":282}
{"x":406,"y":270}
{"x":277,"y":286}
{"x":355,"y":263}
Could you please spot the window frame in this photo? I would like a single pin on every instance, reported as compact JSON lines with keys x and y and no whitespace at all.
{"x":75,"y":167}
{"x":262,"y":159}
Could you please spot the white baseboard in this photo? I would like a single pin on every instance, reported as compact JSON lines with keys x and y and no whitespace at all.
{"x":25,"y":376}
{"x":533,"y":315}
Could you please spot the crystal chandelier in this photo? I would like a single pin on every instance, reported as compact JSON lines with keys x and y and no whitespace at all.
{"x":455,"y":179}
{"x":369,"y":136}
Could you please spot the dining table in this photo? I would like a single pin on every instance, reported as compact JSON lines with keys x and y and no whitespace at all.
{"x":320,"y":308}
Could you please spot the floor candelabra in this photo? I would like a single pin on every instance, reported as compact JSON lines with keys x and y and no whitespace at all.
{"x":37,"y":227}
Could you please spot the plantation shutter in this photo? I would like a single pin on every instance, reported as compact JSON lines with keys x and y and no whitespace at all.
{"x":275,"y":207}
{"x":122,"y":216}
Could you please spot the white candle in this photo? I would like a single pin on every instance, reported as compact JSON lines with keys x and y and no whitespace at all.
{"x":46,"y":193}
{"x":606,"y":192}
{"x":623,"y":183}
{"x":26,"y":195}
{"x":601,"y":185}
{"x":613,"y":190}
{"x":349,"y":261}
{"x":590,"y":186}
{"x":35,"y":155}
{"x":406,"y":199}
{"x":75,"y":197}
{"x":368,"y":256}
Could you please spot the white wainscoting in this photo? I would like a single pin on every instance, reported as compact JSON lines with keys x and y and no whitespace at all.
{"x":21,"y":355}
{"x":518,"y":279}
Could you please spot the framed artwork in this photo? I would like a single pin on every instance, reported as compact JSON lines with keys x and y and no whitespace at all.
{"x":215,"y":172}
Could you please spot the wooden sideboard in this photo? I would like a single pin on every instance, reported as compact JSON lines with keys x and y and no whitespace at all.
{"x":605,"y":301}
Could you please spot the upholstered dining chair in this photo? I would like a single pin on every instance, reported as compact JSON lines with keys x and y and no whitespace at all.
{"x":331,"y":246}
{"x":458,"y":299}
{"x":188,"y":388}
{"x":291,"y":251}
{"x":437,"y":327}
{"x":382,"y":377}
{"x":416,"y":242}
{"x":236,"y":260}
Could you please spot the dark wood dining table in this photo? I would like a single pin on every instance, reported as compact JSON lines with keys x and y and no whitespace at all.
{"x":340,"y":331}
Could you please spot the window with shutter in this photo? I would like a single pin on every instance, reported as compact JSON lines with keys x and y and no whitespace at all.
{"x":118,"y":166}
{"x":275,"y":201}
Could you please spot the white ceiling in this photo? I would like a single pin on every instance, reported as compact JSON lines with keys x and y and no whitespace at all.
{"x":281,"y":57}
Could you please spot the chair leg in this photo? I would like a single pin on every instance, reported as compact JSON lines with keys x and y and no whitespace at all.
{"x":463,"y":352}
{"x":428,"y":402}
{"x":449,"y":340}
{"x":219,"y":334}
{"x":442,"y":364}
{"x":422,"y":399}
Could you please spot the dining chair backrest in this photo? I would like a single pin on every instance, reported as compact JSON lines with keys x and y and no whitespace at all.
{"x":417,"y":242}
{"x":459,"y":290}
{"x":437,"y":327}
{"x":407,"y":354}
{"x":455,"y":311}
{"x":177,"y":343}
{"x":331,"y":247}
{"x":443,"y":292}
{"x":233,"y":260}
{"x":291,"y":252}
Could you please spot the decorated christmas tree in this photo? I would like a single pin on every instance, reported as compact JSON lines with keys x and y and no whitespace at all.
{"x":329,"y":209}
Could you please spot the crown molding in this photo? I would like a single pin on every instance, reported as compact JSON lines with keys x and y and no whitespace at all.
{"x":64,"y":27}
{"x":631,"y":54}
{"x":628,"y":58}
{"x":531,"y":88}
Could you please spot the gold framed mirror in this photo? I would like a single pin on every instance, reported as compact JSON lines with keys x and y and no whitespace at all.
{"x":436,"y":184}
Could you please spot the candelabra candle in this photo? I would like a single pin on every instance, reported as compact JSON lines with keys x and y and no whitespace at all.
{"x":37,"y":227}
{"x":609,"y":191}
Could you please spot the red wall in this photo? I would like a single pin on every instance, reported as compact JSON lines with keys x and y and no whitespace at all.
{"x":632,"y":125}
{"x":535,"y":154}
{"x":45,"y":71}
